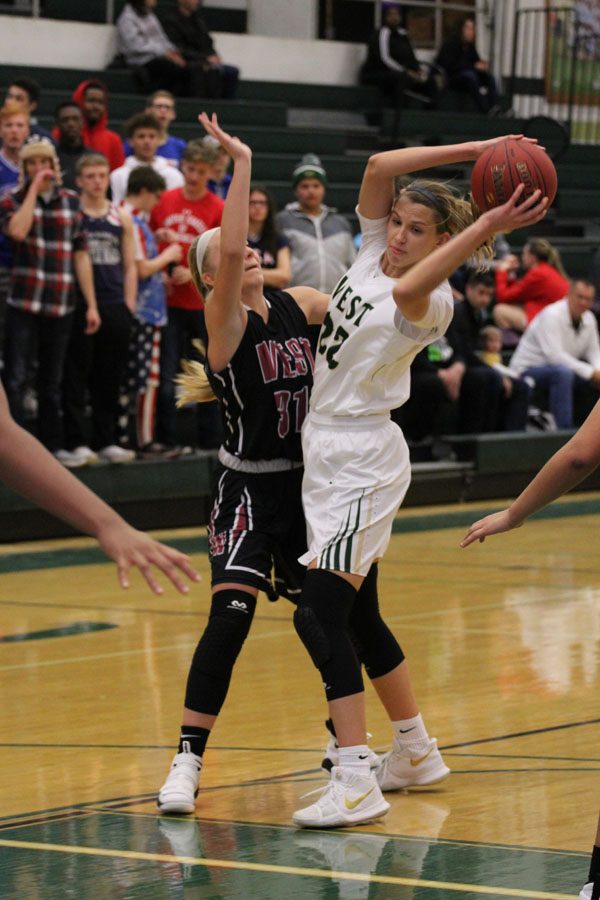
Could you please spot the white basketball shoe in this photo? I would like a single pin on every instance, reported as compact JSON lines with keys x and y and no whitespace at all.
{"x":401,"y":769}
{"x":348,"y":798}
{"x":178,"y":793}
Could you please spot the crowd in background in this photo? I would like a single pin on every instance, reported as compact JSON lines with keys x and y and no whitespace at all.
{"x":97,"y":305}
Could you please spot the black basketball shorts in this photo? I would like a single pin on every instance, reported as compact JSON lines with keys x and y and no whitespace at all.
{"x":257,"y":531}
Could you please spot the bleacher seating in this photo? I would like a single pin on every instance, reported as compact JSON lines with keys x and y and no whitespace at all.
{"x":261,"y":116}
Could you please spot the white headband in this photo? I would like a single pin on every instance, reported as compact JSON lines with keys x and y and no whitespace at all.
{"x":203,"y":242}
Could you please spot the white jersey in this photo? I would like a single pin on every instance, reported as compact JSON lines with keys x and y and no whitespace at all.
{"x":366,"y":346}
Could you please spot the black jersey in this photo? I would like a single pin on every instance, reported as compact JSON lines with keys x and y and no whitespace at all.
{"x":265,"y":388}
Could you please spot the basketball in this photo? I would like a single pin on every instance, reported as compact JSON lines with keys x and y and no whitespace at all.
{"x":497,"y":173}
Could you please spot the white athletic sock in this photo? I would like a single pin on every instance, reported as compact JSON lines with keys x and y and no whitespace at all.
{"x":411,"y":734}
{"x":356,"y":758}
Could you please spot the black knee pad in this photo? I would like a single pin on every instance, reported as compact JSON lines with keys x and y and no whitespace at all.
{"x":313,"y":635}
{"x":376,"y":646}
{"x":321,"y":620}
{"x":218,"y":649}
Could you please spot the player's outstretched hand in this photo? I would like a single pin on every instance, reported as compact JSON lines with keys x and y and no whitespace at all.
{"x":516,"y":213}
{"x":494,"y":524}
{"x":234,"y":147}
{"x":130,"y":548}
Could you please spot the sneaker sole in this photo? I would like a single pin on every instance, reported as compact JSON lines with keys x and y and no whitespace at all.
{"x":175,"y":807}
{"x":417,"y":785}
{"x":336,"y":821}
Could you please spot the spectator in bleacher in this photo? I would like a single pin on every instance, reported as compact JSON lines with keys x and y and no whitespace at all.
{"x":156,"y":61}
{"x":560,"y":351}
{"x":320,"y":238}
{"x":69,"y":143}
{"x":392,"y":65}
{"x":45,"y":224}
{"x":448,"y":396}
{"x":186,"y":28}
{"x":519,"y":300}
{"x":144,"y":189}
{"x":220,"y":178}
{"x":187,"y":212}
{"x":470,"y":316}
{"x":95,"y":362}
{"x":92,"y":98}
{"x":161,"y":105}
{"x":266,"y":239}
{"x":144,"y":134}
{"x":26,"y":92}
{"x":465,"y":69}
{"x":14,"y":131}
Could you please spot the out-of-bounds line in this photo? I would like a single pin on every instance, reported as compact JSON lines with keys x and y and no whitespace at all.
{"x":517,"y":734}
{"x":497,"y":892}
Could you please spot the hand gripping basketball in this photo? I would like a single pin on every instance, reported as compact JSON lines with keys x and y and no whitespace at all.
{"x":508,"y":163}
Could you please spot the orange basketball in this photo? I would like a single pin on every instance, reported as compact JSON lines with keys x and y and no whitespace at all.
{"x":498,"y":172}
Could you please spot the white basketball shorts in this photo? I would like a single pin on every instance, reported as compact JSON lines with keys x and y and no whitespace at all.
{"x":356,"y":473}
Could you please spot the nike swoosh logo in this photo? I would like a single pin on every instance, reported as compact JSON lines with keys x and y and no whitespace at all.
{"x":417,"y":762}
{"x":406,"y":730}
{"x":352,"y":804}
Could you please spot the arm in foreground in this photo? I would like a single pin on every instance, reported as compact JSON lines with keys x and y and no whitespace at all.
{"x":27,"y":468}
{"x":563,"y":471}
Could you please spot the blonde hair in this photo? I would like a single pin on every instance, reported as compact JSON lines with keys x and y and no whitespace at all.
{"x":10,"y":109}
{"x":194,"y":386}
{"x":545,"y":252}
{"x":451,"y":212}
{"x":193,"y":383}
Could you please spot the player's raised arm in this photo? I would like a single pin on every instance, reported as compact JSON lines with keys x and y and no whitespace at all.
{"x":225,"y":314}
{"x":376,"y":191}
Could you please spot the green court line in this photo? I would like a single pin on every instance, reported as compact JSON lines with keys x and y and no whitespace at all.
{"x":84,"y":556}
{"x":63,"y":631}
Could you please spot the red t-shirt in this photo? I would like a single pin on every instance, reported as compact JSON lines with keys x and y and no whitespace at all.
{"x":540,"y":286}
{"x":189,"y":218}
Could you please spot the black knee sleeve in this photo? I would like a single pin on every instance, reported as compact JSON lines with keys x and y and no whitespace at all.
{"x":227,"y":628}
{"x":375,"y":645}
{"x":321,"y":620}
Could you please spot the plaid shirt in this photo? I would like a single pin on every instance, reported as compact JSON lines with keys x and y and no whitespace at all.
{"x":43,"y":275}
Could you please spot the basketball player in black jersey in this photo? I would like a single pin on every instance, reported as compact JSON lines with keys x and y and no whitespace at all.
{"x":259,"y":364}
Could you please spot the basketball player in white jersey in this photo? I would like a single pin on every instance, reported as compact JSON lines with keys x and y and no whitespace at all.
{"x":391,"y":303}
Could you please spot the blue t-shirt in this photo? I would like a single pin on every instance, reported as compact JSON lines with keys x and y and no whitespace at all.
{"x":9,"y":175}
{"x":172,"y":149}
{"x":220,"y":188}
{"x":152,"y":298}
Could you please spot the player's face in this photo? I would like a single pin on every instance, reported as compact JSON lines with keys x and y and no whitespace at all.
{"x":411,"y":235}
{"x":94,"y":181}
{"x":253,"y":275}
{"x":14,"y":131}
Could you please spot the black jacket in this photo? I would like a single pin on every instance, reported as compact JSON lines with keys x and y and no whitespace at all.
{"x":456,"y":55}
{"x":189,"y":34}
